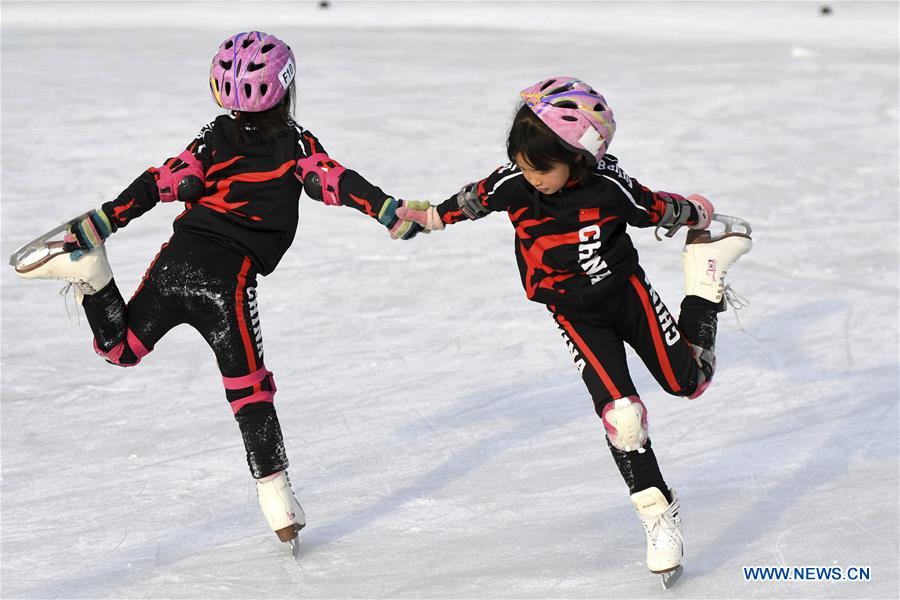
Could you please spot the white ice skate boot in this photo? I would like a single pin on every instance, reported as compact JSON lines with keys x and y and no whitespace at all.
{"x":89,"y":274}
{"x":280,"y":507}
{"x":665,"y":546}
{"x":707,"y":258}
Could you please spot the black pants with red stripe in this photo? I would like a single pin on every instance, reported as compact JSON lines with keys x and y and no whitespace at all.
{"x":636,"y":316}
{"x":201,"y":283}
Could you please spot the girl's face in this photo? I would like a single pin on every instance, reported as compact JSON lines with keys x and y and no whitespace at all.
{"x":546,"y":182}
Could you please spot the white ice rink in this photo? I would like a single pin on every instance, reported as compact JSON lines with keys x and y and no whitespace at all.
{"x":442,"y":443}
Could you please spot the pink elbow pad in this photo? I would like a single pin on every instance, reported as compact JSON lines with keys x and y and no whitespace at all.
{"x":180,"y":178}
{"x":320,"y":176}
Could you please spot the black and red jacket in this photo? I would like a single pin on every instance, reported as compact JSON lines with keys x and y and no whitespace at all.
{"x":250,"y":202}
{"x":572,"y":246}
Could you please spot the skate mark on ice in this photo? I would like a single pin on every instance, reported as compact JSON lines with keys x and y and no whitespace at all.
{"x":764,"y":515}
{"x":514,"y":430}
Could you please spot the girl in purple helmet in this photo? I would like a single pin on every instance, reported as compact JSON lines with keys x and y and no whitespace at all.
{"x":570,"y":204}
{"x":239,"y":181}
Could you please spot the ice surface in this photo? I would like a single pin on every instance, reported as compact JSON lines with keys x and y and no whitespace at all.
{"x":442,"y":443}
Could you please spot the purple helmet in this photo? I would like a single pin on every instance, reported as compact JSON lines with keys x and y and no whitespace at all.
{"x":575,"y":112}
{"x":251,"y":72}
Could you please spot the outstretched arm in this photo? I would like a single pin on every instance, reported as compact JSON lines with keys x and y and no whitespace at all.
{"x":472,"y":202}
{"x":649,"y":208}
{"x":670,"y":211}
{"x":179,"y":178}
{"x":326,"y":180}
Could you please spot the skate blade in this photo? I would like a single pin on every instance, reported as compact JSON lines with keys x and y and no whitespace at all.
{"x":670,"y":578}
{"x":731,"y":222}
{"x":706,"y":236}
{"x":295,"y":548}
{"x":35,"y":253}
{"x":291,"y":535}
{"x":29,"y":258}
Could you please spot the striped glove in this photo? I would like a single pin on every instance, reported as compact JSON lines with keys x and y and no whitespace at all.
{"x":400,"y":229}
{"x":88,"y":233}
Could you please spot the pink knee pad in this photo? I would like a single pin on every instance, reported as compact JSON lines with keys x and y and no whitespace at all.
{"x":248,"y":381}
{"x":701,"y":387}
{"x":114,"y":356}
{"x":625,"y":420}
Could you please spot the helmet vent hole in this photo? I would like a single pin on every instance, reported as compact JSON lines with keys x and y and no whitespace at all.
{"x":246,"y":43}
{"x":599,"y":107}
{"x":547,"y":84}
{"x":263,"y":88}
{"x":569,"y":118}
{"x":267,"y":47}
{"x":247,"y":89}
{"x":565,"y":104}
{"x":227,"y":88}
{"x":225,"y":64}
{"x":254,"y":67}
{"x":229,"y":44}
{"x":558,"y":90}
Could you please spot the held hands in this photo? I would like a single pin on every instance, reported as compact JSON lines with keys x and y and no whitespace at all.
{"x":400,"y":228}
{"x":423,"y":214}
{"x":88,"y":233}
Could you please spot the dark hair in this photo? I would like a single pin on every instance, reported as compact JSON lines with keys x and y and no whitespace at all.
{"x":257,"y":127}
{"x":536,"y":143}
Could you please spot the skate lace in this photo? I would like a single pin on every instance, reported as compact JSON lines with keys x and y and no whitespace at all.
{"x":736,"y":302}
{"x":665,"y":526}
{"x":64,"y":292}
{"x":733,"y":298}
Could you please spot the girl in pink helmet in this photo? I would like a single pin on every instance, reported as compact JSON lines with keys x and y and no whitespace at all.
{"x":571,"y":204}
{"x":239,"y":181}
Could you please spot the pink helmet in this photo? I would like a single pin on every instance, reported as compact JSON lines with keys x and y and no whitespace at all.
{"x":251,"y":72}
{"x":575,"y":112}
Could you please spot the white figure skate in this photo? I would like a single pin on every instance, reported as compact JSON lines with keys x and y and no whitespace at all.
{"x":706,"y":257}
{"x":89,"y":274}
{"x":45,"y":247}
{"x":281,"y":509}
{"x":51,"y":256}
{"x":665,"y":546}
